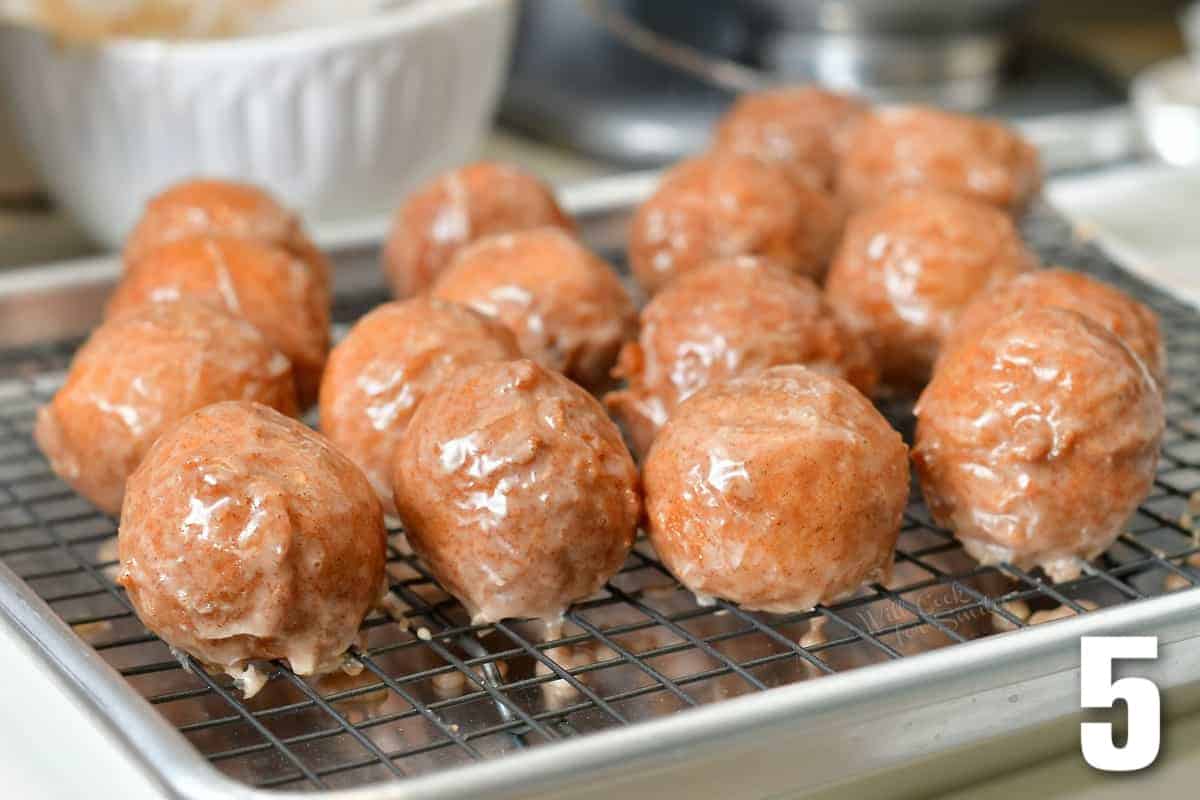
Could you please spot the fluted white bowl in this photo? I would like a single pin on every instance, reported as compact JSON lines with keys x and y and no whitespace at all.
{"x":338,"y":121}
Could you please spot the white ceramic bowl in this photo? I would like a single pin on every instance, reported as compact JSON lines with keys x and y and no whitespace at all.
{"x":338,"y":121}
{"x":1166,"y":97}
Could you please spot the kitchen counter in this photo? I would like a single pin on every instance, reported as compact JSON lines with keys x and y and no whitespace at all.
{"x":50,"y":750}
{"x":1067,"y":777}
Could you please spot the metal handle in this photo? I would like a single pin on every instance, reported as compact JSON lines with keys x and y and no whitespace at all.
{"x":720,"y":72}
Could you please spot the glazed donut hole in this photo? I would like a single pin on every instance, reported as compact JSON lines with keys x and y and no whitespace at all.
{"x":565,"y":305}
{"x":386,"y":365}
{"x":909,"y":265}
{"x":1132,"y":322}
{"x":245,"y":537}
{"x":139,"y":374}
{"x":732,"y":317}
{"x":803,"y":130}
{"x":723,"y":205}
{"x":516,"y":490}
{"x":214,"y":207}
{"x":458,"y":208}
{"x":926,"y":148}
{"x":266,"y":285}
{"x":754,"y":490}
{"x":1036,"y":440}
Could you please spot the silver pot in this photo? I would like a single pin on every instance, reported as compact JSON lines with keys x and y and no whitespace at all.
{"x":948,"y":51}
{"x":901,"y":17}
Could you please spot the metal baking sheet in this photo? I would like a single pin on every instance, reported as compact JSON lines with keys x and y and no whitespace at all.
{"x":645,"y":688}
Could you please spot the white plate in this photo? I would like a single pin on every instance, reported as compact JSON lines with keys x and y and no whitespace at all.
{"x":1146,"y":216}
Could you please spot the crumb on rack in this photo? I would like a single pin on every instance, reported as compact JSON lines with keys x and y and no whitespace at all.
{"x":1083,"y":231}
{"x":449,"y":684}
{"x":1062,"y":612}
{"x":105,"y":553}
{"x":351,"y":665}
{"x":1187,"y":520}
{"x":1017,"y":608}
{"x":1174,"y":582}
{"x":88,"y":630}
{"x":815,"y":636}
{"x":397,"y":609}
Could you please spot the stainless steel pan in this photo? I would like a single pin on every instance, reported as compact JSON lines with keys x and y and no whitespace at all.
{"x":647,"y":689}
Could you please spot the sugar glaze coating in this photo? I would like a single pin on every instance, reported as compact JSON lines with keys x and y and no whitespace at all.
{"x":140,"y":374}
{"x":566,"y":305}
{"x":908,"y":266}
{"x":733,"y":317}
{"x":1132,"y":322}
{"x":246,"y":536}
{"x":388,"y":362}
{"x":460,"y":207}
{"x":266,"y":285}
{"x":802,"y":129}
{"x":778,"y":491}
{"x":723,"y":205}
{"x":1037,"y":440}
{"x":920,"y":147}
{"x":211,"y":207}
{"x":516,"y":489}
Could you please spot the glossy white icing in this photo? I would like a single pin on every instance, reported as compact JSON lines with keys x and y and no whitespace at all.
{"x":755,"y":490}
{"x":245,"y":536}
{"x":517,"y":491}
{"x":1036,"y":442}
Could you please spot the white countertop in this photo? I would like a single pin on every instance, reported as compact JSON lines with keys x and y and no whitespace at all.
{"x":49,"y":749}
{"x":1146,"y":216}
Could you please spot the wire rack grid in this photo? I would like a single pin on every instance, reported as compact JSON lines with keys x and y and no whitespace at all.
{"x":435,"y":691}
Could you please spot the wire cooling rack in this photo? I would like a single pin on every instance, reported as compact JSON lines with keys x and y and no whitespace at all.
{"x":435,"y":691}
